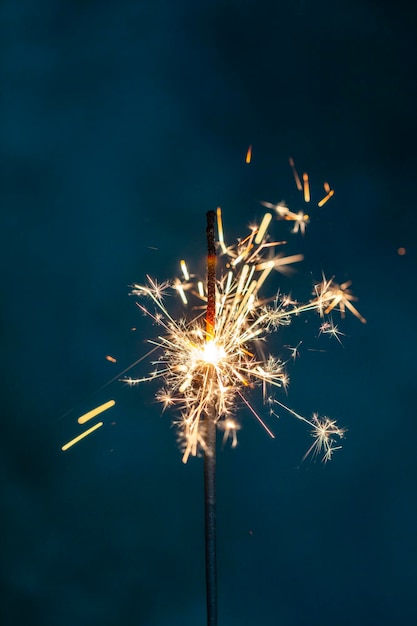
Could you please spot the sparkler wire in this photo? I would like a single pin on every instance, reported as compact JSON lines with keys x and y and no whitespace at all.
{"x":210,"y":438}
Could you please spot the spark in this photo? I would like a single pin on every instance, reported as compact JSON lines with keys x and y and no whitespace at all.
{"x":220,"y":230}
{"x":84,"y":434}
{"x":111,"y":359}
{"x":263,"y":228}
{"x":331,"y":329}
{"x":184,"y":270}
{"x":326,"y":198}
{"x":249,"y":155}
{"x":295,"y":174}
{"x":324,"y":432}
{"x":99,"y":409}
{"x":300,"y":218}
{"x":331,"y":295}
{"x":294,"y":350}
{"x":219,"y":365}
{"x":306,"y":187}
{"x":230,"y":428}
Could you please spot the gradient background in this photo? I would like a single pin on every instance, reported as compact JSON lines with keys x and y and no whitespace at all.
{"x":122,"y":123}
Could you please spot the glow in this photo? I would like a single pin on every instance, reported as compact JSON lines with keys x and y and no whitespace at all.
{"x":326,"y":198}
{"x":249,"y":155}
{"x":212,"y":353}
{"x":99,"y":409}
{"x":84,"y":434}
{"x":184,"y":270}
{"x":263,"y":227}
{"x":306,"y":186}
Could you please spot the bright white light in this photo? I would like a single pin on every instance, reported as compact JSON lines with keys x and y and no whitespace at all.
{"x":212,"y":353}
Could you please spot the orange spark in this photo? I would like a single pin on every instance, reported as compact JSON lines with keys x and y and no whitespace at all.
{"x":110,"y":358}
{"x":326,"y":187}
{"x":401,"y":251}
{"x":306,"y":188}
{"x":249,"y":154}
{"x":326,"y":198}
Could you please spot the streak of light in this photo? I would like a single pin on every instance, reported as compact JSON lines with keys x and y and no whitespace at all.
{"x":84,"y":434}
{"x":184,"y":269}
{"x":306,"y":185}
{"x":263,"y":227}
{"x":220,"y":230}
{"x":249,"y":154}
{"x":295,"y":174}
{"x":99,"y":409}
{"x":326,"y":198}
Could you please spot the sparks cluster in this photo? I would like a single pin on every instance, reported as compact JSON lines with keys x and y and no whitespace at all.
{"x":200,"y":371}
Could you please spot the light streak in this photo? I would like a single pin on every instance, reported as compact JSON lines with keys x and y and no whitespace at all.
{"x":263,"y":227}
{"x":184,"y":270}
{"x":326,"y":198}
{"x":306,"y":187}
{"x":181,"y":291}
{"x":84,"y":434}
{"x":295,"y":174}
{"x":99,"y":409}
{"x":200,"y":287}
{"x":110,"y":358}
{"x":249,"y":155}
{"x":208,"y":363}
{"x":220,"y":230}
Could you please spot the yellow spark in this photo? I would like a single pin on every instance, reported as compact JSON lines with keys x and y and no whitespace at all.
{"x":249,"y":154}
{"x":181,"y":291}
{"x":280,"y":261}
{"x":220,"y":230}
{"x":184,"y":270}
{"x":263,"y":227}
{"x":84,"y":434}
{"x":306,"y":187}
{"x":99,"y":409}
{"x":326,"y":198}
{"x":200,"y":287}
{"x":295,"y":174}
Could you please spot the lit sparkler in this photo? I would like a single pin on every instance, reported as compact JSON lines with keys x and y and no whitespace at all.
{"x":202,"y":367}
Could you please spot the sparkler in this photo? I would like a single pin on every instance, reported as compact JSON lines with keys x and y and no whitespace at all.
{"x":209,"y":367}
{"x":209,"y":364}
{"x":217,"y":364}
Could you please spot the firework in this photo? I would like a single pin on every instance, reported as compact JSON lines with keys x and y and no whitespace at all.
{"x":206,"y":366}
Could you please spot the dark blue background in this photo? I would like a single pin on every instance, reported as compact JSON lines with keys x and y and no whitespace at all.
{"x":122,"y":123}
